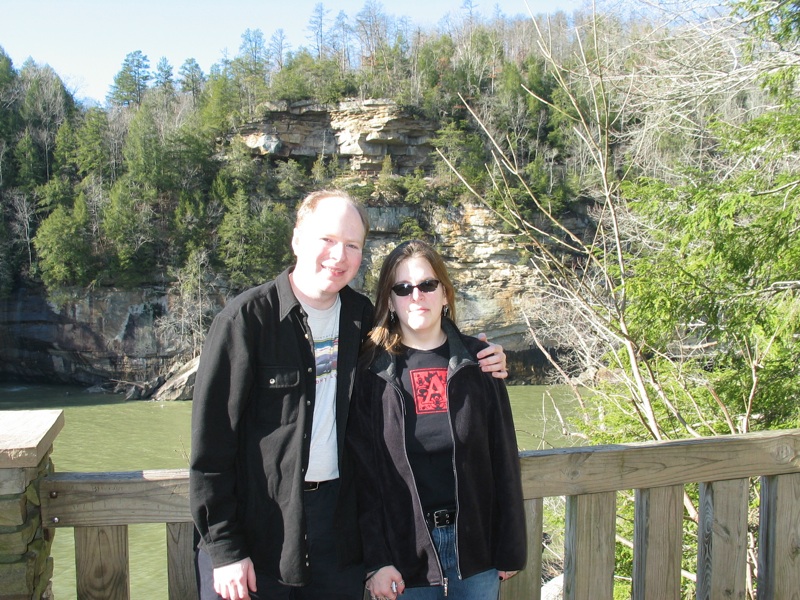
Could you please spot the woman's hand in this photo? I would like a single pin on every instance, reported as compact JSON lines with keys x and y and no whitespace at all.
{"x":492,"y":359}
{"x":504,"y":575}
{"x":385,"y":584}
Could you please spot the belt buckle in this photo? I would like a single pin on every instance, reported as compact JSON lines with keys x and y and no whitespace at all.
{"x":310,"y":486}
{"x":441,"y":518}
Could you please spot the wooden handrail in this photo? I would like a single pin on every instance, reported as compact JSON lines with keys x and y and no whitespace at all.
{"x":594,"y":469}
{"x":124,"y":498}
{"x":101,"y":505}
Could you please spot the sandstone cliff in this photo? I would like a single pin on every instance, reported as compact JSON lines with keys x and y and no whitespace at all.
{"x":358,"y":134}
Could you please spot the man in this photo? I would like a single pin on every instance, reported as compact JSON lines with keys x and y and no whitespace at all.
{"x":271,"y":489}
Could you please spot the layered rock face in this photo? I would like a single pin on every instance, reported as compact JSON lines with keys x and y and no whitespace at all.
{"x":486,"y":269}
{"x":97,"y":336}
{"x":107,"y":335}
{"x":359,"y":134}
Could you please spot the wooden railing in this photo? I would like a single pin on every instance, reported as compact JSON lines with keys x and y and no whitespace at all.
{"x":100,"y":506}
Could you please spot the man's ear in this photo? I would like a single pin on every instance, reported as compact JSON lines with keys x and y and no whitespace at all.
{"x":295,"y":240}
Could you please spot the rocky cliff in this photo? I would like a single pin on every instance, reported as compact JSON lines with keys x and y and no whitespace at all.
{"x":103,"y":335}
{"x":97,"y":336}
{"x":360,"y":134}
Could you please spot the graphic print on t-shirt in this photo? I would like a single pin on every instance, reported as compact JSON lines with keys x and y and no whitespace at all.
{"x":429,"y":387}
{"x":326,"y":355}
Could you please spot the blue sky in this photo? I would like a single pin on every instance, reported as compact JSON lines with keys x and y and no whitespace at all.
{"x":85,"y":41}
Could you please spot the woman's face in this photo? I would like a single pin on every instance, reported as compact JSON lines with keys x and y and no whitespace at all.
{"x":419,"y":313}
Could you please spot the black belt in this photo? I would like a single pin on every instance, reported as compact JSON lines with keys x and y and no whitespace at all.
{"x":440,"y":518}
{"x":313,"y":486}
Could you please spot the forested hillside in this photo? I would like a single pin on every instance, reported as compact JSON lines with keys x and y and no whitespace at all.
{"x":143,"y":186}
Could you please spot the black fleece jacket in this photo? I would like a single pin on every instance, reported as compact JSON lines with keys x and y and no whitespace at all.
{"x":490,"y":523}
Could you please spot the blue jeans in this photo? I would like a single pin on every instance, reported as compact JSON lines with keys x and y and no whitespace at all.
{"x":482,"y":586}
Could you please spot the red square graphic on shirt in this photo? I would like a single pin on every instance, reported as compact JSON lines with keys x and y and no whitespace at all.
{"x":429,"y":387}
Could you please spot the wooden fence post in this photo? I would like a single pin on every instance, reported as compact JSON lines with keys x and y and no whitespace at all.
{"x":26,"y":440}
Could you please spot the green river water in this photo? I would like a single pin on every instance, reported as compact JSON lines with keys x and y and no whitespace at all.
{"x":103,"y":432}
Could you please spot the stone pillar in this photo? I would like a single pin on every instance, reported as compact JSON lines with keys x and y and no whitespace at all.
{"x":26,"y":440}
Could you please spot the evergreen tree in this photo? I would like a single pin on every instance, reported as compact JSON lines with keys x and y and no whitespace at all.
{"x":92,"y":152}
{"x":131,"y":81}
{"x":163,"y":79}
{"x":145,"y":150}
{"x":235,"y":236}
{"x":190,"y":223}
{"x":292,"y":180}
{"x":31,"y":169}
{"x":10,"y":120}
{"x":191,"y":78}
{"x":220,"y":108}
{"x":64,"y":251}
{"x":254,"y":248}
{"x":128,"y":224}
{"x":65,"y":154}
{"x":56,"y":192}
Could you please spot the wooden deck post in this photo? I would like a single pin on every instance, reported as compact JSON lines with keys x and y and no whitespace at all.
{"x":779,"y":537}
{"x":26,"y":440}
{"x":658,"y":543}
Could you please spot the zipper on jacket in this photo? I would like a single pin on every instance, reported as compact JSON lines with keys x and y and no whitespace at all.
{"x":416,"y":496}
{"x":455,"y":471}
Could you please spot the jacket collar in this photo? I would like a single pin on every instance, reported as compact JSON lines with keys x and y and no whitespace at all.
{"x":287,"y":301}
{"x":459,"y":355}
{"x":385,"y":364}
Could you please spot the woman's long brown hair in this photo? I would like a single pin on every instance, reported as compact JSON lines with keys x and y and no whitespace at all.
{"x":386,"y":334}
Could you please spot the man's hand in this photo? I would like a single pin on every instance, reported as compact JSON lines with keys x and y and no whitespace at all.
{"x":236,"y":580}
{"x":492,"y":359}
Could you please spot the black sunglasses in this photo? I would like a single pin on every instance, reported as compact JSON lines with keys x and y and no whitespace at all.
{"x":427,"y":286}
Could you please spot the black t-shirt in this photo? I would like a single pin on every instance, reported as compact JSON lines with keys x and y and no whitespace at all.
{"x":429,"y":439}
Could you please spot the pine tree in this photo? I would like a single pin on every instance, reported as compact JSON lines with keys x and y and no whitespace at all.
{"x":131,"y":81}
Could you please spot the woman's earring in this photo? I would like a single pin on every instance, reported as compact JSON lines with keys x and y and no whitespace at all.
{"x":392,"y":317}
{"x":445,"y":311}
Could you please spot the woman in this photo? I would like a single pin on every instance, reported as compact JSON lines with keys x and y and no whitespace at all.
{"x":440,"y":497}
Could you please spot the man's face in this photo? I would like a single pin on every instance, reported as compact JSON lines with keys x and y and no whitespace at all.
{"x":328,"y":244}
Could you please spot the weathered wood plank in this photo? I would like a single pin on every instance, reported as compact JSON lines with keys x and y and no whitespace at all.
{"x":527,"y":584}
{"x":590,"y":544}
{"x":86,"y":499}
{"x":588,"y":470}
{"x":779,"y":538}
{"x":722,"y":540}
{"x":27,"y":435}
{"x":180,"y":561}
{"x":101,"y":563}
{"x":589,"y":477}
{"x":658,"y":543}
